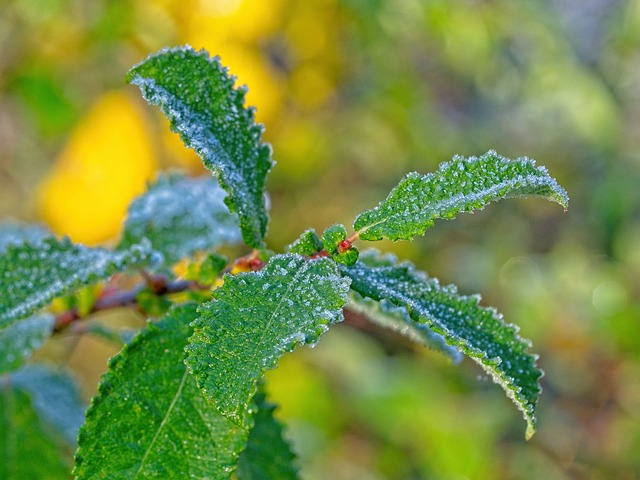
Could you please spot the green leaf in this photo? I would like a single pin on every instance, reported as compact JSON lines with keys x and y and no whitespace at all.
{"x":197,"y":95}
{"x":462,"y":185}
{"x":36,"y":273}
{"x":393,"y":317}
{"x":255,"y":318}
{"x":332,"y":237}
{"x":150,"y":419}
{"x":55,"y":397}
{"x":14,"y":233}
{"x":307,"y":244}
{"x":479,"y":332}
{"x":26,"y":449}
{"x":20,"y":340}
{"x":268,"y":455}
{"x":181,"y":215}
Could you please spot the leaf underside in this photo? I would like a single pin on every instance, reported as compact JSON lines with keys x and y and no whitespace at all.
{"x":181,"y":215}
{"x":150,"y":419}
{"x":198,"y":96}
{"x":461,"y":185}
{"x":393,"y":317}
{"x":255,"y":318}
{"x":479,"y":332}
{"x":35,"y":273}
{"x":268,"y":455}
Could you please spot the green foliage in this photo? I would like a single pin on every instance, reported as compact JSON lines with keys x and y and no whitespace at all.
{"x":197,"y":95}
{"x":254,"y":319}
{"x":54,"y":397}
{"x":164,"y":427}
{"x":12,"y":233}
{"x":393,"y":317}
{"x":478,"y":331}
{"x":268,"y":455}
{"x":307,"y":244}
{"x":185,"y":397}
{"x":180,"y":216}
{"x":332,"y":237}
{"x":461,"y":185}
{"x":36,"y":273}
{"x":19,"y":340}
{"x":28,"y":451}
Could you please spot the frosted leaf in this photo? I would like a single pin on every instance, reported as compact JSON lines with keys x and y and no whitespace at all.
{"x":245,"y":330}
{"x":393,"y":317}
{"x":461,"y":185}
{"x":198,"y":96}
{"x":181,"y":215}
{"x":268,"y":455}
{"x":28,"y":449}
{"x":150,"y":420}
{"x":19,"y":340}
{"x":14,"y":233}
{"x":55,"y":397}
{"x":33,"y":274}
{"x":478,"y":331}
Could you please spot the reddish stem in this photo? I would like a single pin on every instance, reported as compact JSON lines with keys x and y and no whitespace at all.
{"x":128,"y":298}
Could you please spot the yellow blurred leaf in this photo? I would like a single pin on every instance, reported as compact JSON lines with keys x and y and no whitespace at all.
{"x":104,"y":165}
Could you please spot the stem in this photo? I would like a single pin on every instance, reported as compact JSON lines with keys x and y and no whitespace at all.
{"x":353,"y":237}
{"x":128,"y":298}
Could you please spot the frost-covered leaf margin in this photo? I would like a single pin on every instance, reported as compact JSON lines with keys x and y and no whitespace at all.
{"x":150,"y":419}
{"x":397,"y":319}
{"x":198,"y":96}
{"x":35,"y":273}
{"x":255,"y":318}
{"x":461,"y":185}
{"x":478,"y":331}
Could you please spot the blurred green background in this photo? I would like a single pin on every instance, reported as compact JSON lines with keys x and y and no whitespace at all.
{"x":354,"y":94}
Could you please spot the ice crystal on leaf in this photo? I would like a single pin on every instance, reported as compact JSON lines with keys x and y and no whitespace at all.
{"x":198,"y":96}
{"x":181,"y":215}
{"x":257,"y":317}
{"x":461,"y":185}
{"x":33,"y":274}
{"x":478,"y":331}
{"x":150,"y":420}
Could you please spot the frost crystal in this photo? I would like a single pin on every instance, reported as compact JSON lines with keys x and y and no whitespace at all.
{"x":31,"y":275}
{"x":479,"y":332}
{"x":462,"y":185}
{"x":247,"y":329}
{"x":180,"y":216}
{"x":198,"y":96}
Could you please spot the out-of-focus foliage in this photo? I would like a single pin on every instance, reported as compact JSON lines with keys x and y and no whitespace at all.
{"x":355,"y":93}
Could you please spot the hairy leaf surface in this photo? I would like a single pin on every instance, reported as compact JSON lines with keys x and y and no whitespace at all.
{"x":181,"y":215}
{"x":461,"y":185}
{"x":393,"y":317}
{"x":33,"y":274}
{"x":198,"y":96}
{"x":26,"y":449}
{"x":268,"y":455}
{"x":479,"y":332}
{"x":255,"y":318}
{"x":19,"y":340}
{"x":150,"y":419}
